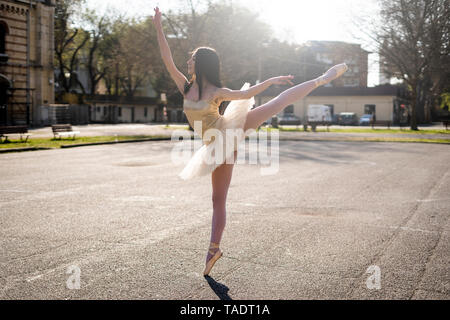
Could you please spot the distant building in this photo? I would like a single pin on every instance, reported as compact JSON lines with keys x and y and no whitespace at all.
{"x":386,"y":102}
{"x":26,"y":60}
{"x":120,"y":109}
{"x":335,"y":52}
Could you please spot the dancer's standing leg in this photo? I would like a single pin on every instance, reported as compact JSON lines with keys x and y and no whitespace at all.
{"x":221,"y":178}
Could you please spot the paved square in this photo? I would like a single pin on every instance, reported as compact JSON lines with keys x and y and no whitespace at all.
{"x":132,"y":229}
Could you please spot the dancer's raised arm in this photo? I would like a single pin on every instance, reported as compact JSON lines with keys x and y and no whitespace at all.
{"x":166,"y":55}
{"x":228,"y":94}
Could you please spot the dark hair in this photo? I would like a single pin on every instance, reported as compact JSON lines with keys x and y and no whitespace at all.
{"x":207,"y":64}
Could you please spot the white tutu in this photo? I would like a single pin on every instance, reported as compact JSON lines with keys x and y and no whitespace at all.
{"x":210,"y":156}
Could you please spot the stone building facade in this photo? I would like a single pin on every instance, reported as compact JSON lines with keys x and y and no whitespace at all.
{"x":26,"y":60}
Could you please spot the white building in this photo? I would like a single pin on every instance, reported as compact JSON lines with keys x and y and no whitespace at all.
{"x":384,"y":101}
{"x":119,"y":109}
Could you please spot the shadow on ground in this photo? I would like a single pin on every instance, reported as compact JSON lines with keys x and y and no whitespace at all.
{"x":219,"y":289}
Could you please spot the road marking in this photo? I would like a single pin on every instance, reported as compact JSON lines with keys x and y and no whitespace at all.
{"x":249,"y":204}
{"x":29,"y":279}
{"x":414,"y":230}
{"x":356,"y":162}
{"x":430,"y":200}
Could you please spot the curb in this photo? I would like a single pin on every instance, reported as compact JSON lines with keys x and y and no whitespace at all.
{"x":348,"y":139}
{"x":112,"y":142}
{"x":366,"y":139}
{"x":6,"y":150}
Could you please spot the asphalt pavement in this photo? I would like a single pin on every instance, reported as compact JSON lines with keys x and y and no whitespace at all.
{"x":336,"y":220}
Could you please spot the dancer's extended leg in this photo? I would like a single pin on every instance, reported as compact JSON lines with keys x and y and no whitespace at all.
{"x":260,"y":114}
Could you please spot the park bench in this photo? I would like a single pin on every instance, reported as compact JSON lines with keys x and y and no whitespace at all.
{"x":62,"y":130}
{"x":381,"y":123}
{"x":8,"y":130}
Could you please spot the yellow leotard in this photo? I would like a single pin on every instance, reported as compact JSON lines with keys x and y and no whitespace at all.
{"x":205,"y":111}
{"x":204,"y":115}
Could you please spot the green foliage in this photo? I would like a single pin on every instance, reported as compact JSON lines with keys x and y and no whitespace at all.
{"x":57,"y":143}
{"x":445,"y":100}
{"x":122,"y":55}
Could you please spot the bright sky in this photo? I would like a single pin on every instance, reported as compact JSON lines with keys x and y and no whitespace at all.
{"x":292,"y":20}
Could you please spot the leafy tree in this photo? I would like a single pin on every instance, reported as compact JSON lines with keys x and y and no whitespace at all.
{"x":127,"y":53}
{"x":99,"y":30}
{"x":235,"y":32}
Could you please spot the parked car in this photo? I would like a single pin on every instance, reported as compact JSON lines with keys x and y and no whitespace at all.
{"x":267,"y":122}
{"x":335,"y":119}
{"x":348,"y":118}
{"x":289,"y":119}
{"x":365,"y":119}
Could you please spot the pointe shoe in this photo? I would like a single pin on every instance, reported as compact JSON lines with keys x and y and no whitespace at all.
{"x":213,"y":259}
{"x":332,"y":73}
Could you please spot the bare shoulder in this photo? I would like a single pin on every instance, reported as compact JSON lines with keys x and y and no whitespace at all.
{"x":223,"y":93}
{"x":228,"y":94}
{"x":219,"y":95}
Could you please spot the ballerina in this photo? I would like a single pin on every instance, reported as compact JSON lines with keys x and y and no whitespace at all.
{"x":203,"y":94}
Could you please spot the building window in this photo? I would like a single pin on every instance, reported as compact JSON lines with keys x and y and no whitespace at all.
{"x":120,"y":111}
{"x":369,"y":109}
{"x":289,"y":109}
{"x":98,"y":109}
{"x":3,"y":32}
{"x":104,"y":110}
{"x":145,"y":112}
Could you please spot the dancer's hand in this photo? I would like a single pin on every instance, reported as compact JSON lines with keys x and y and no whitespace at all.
{"x":157,"y":18}
{"x":283,"y":80}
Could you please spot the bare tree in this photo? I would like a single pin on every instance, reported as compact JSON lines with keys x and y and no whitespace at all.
{"x":99,"y":30}
{"x":68,"y":42}
{"x":413,"y":43}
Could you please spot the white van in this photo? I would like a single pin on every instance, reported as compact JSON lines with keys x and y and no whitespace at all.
{"x":318,"y":114}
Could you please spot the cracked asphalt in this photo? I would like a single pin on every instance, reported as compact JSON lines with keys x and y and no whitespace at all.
{"x":131,"y":229}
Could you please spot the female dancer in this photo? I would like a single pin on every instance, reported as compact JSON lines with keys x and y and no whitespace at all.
{"x":202,"y":97}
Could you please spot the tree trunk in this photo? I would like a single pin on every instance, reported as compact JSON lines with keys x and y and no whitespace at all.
{"x":117,"y":80}
{"x":62,"y":76}
{"x":413,"y":107}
